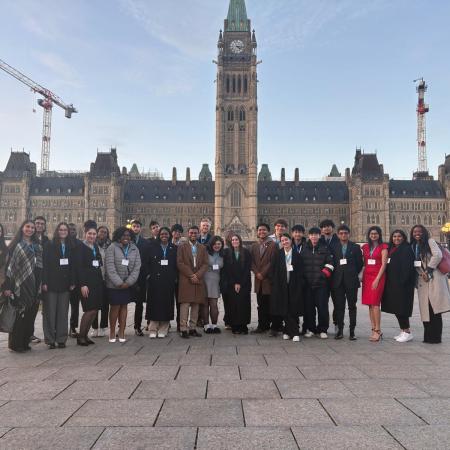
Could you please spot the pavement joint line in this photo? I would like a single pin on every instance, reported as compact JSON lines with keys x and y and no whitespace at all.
{"x":393,"y":437}
{"x":278,"y":389}
{"x":136,"y":352}
{"x":159,"y":412}
{"x":188,"y":350}
{"x":243,"y":414}
{"x":302,"y":374}
{"x":409,"y":409}
{"x":98,"y":437}
{"x":178,"y":371}
{"x":135,"y":389}
{"x":196,"y":438}
{"x":67,"y":387}
{"x":206,"y":391}
{"x":103,"y":359}
{"x":45,"y":360}
{"x":210,"y":359}
{"x":6,"y":432}
{"x":73,"y":414}
{"x":328,"y":414}
{"x":121,"y":367}
{"x":239,"y":371}
{"x":295,"y":439}
{"x":156,"y":360}
{"x":236,"y":349}
{"x":265,"y":360}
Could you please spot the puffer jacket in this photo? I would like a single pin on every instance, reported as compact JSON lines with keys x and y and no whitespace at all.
{"x":116,"y":272}
{"x":317,"y":264}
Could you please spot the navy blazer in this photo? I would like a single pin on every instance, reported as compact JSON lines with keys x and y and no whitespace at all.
{"x":347,"y":274}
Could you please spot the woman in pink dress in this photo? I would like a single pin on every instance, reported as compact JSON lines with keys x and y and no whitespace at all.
{"x":375,"y":260}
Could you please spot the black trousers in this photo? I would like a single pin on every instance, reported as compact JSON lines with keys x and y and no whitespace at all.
{"x":403,"y":322}
{"x":335,"y":314}
{"x":34,"y":312}
{"x":226,"y":319}
{"x":19,"y":339}
{"x":433,"y":329}
{"x":263,"y":311}
{"x":317,"y":299}
{"x":104,"y":312}
{"x":343,"y":294}
{"x":291,"y":325}
{"x":74,"y":308}
{"x":141,"y":297}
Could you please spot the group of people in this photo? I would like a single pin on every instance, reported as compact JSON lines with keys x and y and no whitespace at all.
{"x":295,"y":273}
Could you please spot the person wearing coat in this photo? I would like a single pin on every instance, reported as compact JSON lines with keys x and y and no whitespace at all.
{"x":237,"y":267}
{"x":161,"y":284}
{"x":22,"y":283}
{"x":88,"y":268}
{"x":122,"y":266}
{"x":432,"y":285}
{"x":192,"y":264}
{"x":58,"y":279}
{"x":262,"y":253}
{"x":286,"y":300}
{"x":348,"y":263}
{"x":3,"y":254}
{"x":398,"y":295}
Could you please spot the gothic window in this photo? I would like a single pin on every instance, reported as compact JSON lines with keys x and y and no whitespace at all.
{"x":230,"y":115}
{"x":235,"y":197}
{"x":368,"y":219}
{"x":407,"y":220}
{"x":234,"y":84}
{"x":430,"y":220}
{"x":245,"y":84}
{"x":242,"y":115}
{"x":394,"y":220}
{"x":228,"y":84}
{"x":425,"y":220}
{"x":378,"y":219}
{"x":239,"y":83}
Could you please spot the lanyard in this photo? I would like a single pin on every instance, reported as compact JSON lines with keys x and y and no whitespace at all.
{"x":372,"y":250}
{"x":125,"y":251}
{"x":63,"y":250}
{"x":344,"y":250}
{"x":164,"y":249}
{"x":237,"y":254}
{"x":417,"y":251}
{"x":194,"y":249}
{"x":94,"y":252}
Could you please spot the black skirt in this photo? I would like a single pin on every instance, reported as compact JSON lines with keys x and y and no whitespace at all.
{"x":119,"y":296}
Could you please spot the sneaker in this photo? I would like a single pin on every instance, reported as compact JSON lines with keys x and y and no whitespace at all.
{"x":161,"y":335}
{"x":94,"y":332}
{"x":399,"y":335}
{"x":308,"y":334}
{"x":152,"y":335}
{"x":286,"y":337}
{"x":296,"y":339}
{"x":323,"y":335}
{"x":34,"y":340}
{"x":406,"y":337}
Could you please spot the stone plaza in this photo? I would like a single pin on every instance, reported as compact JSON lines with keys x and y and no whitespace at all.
{"x":229,"y":392}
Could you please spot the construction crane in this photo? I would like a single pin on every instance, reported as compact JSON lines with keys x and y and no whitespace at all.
{"x":47,"y":104}
{"x":422,"y":109}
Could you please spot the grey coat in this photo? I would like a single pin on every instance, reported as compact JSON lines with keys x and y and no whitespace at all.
{"x":436,"y":291}
{"x":212,"y":277}
{"x":116,"y":272}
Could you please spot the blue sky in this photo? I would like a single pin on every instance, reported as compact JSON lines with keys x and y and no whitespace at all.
{"x":336,"y":74}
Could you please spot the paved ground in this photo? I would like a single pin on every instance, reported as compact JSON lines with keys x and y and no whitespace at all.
{"x":229,"y":392}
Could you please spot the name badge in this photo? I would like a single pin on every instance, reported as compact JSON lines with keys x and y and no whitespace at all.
{"x":164,"y":262}
{"x":417,"y":263}
{"x":343,"y":262}
{"x":289,"y":267}
{"x":216,"y":267}
{"x":125,"y":262}
{"x":371,"y":262}
{"x":95,"y":263}
{"x":64,"y":262}
{"x":389,"y":260}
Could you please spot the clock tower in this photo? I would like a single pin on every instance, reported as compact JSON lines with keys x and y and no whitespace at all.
{"x":236,"y":126}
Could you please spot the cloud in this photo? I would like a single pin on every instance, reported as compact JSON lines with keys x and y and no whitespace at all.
{"x":66,"y":75}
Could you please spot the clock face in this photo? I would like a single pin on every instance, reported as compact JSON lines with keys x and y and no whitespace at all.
{"x":237,"y":46}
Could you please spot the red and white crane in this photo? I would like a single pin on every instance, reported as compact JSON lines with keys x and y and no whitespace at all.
{"x":422,"y":109}
{"x":47,"y":104}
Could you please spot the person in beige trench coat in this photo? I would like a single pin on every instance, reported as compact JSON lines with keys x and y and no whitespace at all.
{"x":432,"y":285}
{"x":192,"y":262}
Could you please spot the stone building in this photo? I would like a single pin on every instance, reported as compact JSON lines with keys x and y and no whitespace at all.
{"x":238,"y":197}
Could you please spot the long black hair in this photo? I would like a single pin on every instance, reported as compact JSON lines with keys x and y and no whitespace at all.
{"x":424,"y":246}
{"x":380,"y":234}
{"x":56,"y":240}
{"x":19,"y":237}
{"x":211,"y":244}
{"x":402,"y":233}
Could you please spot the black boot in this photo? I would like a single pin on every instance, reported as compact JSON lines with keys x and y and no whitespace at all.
{"x":82,"y":341}
{"x":339,"y":333}
{"x":352,"y":335}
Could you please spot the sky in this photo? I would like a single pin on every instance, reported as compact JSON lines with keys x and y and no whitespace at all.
{"x":335,"y":75}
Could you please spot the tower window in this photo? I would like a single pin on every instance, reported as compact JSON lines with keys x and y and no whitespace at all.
{"x":242,"y":115}
{"x":228,"y":85}
{"x":239,"y":84}
{"x":235,"y":197}
{"x":230,"y":115}
{"x":234,"y":84}
{"x":245,"y":84}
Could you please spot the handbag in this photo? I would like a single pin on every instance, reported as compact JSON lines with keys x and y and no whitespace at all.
{"x":444,"y":265}
{"x":7,"y":315}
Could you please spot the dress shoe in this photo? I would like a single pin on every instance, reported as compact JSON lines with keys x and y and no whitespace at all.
{"x":89,"y":341}
{"x":339,"y":334}
{"x":61,"y":345}
{"x":258,"y":331}
{"x":185,"y":335}
{"x":82,"y":341}
{"x":352,"y":336}
{"x":51,"y":346}
{"x":273,"y":333}
{"x":194,"y":333}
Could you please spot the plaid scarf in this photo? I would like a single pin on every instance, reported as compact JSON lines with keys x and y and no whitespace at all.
{"x":24,"y":260}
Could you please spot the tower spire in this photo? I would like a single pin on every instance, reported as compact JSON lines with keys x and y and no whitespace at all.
{"x":237,"y":16}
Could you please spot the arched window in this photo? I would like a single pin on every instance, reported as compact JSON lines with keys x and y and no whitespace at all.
{"x":407,"y":220}
{"x":242,"y":115}
{"x":430,"y":220}
{"x":228,"y":84}
{"x":230,"y":115}
{"x":235,"y":197}
{"x":368,"y":218}
{"x":378,"y":219}
{"x":245,"y":84}
{"x":239,"y":84}
{"x":234,"y":84}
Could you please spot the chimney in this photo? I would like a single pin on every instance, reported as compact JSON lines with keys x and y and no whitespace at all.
{"x":188,"y":176}
{"x":174,"y":176}
{"x":297,"y":176}
{"x":283,"y":177}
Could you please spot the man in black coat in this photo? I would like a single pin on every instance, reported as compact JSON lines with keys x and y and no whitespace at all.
{"x":345,"y":282}
{"x":141,"y":286}
{"x":317,"y":265}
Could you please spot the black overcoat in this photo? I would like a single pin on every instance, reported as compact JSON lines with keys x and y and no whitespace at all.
{"x":286,"y":298}
{"x":161,"y":282}
{"x":398,"y":295}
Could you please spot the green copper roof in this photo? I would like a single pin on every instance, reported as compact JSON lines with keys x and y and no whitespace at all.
{"x":237,"y":16}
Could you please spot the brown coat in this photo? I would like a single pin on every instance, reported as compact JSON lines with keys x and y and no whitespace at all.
{"x":187,"y":291}
{"x":262,"y":264}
